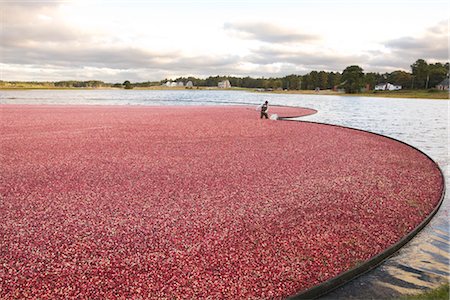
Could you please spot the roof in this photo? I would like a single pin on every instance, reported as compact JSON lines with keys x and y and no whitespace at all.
{"x":384,"y":83}
{"x":444,"y":82}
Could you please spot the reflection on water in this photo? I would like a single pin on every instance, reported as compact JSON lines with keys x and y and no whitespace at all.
{"x":424,"y":261}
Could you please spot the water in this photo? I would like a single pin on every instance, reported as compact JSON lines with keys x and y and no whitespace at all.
{"x":125,"y":97}
{"x":423,"y":262}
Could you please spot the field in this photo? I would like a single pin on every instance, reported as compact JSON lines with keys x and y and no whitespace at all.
{"x":195,"y":202}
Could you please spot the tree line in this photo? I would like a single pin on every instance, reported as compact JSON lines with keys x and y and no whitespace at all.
{"x":55,"y":84}
{"x":353,"y":79}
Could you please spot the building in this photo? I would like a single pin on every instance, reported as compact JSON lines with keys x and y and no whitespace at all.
{"x":173,"y":84}
{"x":189,"y":84}
{"x":180,"y":83}
{"x":443,"y":85}
{"x":224,"y":84}
{"x":386,"y":86}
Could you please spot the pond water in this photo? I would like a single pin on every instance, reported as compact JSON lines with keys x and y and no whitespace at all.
{"x":424,"y":124}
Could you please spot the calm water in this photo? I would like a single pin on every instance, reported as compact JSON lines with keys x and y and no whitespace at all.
{"x":423,"y":262}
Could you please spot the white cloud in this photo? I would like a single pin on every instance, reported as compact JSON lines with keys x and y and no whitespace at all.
{"x":269,"y":33}
{"x":149,"y":40}
{"x":432,"y":44}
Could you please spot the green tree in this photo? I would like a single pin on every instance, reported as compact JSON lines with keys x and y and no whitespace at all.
{"x":420,"y":71}
{"x":127,"y":85}
{"x":352,"y":79}
{"x":313,"y":80}
{"x":322,"y":80}
{"x":401,"y":78}
{"x":372,"y":79}
{"x":333,"y":79}
{"x":437,"y":73}
{"x":291,"y":82}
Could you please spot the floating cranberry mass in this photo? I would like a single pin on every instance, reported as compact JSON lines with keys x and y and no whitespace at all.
{"x":195,"y":202}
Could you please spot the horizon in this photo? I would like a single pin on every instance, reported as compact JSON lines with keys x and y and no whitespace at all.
{"x":184,"y":78}
{"x":140,"y":41}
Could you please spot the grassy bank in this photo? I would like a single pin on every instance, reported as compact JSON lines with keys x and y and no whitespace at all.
{"x":441,"y":292}
{"x":55,"y":88}
{"x":422,"y":94}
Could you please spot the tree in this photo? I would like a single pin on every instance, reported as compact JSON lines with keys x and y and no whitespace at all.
{"x":127,"y":84}
{"x":401,"y":78}
{"x":313,"y":80}
{"x":437,"y":73}
{"x":333,"y":79}
{"x":372,"y":79}
{"x":291,"y":82}
{"x":420,"y":71}
{"x":352,"y":79}
{"x":323,"y":80}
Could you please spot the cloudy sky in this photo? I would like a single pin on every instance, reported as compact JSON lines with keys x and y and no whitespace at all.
{"x":144,"y":40}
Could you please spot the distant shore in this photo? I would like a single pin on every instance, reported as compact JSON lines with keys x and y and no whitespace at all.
{"x":413,"y":94}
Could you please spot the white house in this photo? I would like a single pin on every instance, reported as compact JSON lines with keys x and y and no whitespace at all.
{"x":189,"y":84}
{"x":386,"y":86}
{"x":180,"y":83}
{"x":224,"y":84}
{"x":172,"y":84}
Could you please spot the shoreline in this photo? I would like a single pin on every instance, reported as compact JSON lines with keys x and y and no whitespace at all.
{"x":406,"y":94}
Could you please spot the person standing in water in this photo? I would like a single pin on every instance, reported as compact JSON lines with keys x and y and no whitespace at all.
{"x":264,"y":109}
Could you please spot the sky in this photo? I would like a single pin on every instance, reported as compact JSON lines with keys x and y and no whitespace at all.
{"x":148,"y":40}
